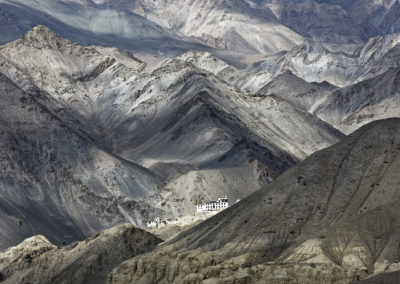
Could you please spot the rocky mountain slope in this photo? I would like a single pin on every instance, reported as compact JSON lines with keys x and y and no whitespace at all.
{"x":338,"y":64}
{"x":182,"y":123}
{"x":36,"y":260}
{"x":241,"y":79}
{"x":346,"y":108}
{"x":226,"y":24}
{"x":233,"y":25}
{"x":332,"y":219}
{"x":337,"y":21}
{"x":319,"y":20}
{"x":304,"y":95}
{"x":230,"y":30}
{"x":169,"y":27}
{"x":384,"y":278}
{"x":55,"y":181}
{"x":376,"y":17}
{"x":353,"y":106}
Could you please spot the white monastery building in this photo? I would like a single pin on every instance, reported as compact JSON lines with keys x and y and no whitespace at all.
{"x":218,"y":205}
{"x":157,"y":223}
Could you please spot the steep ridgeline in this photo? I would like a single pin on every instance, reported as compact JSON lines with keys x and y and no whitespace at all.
{"x":346,"y":108}
{"x":333,"y":218}
{"x":233,"y":25}
{"x":54,"y":181}
{"x":246,"y":81}
{"x":302,"y":94}
{"x":351,"y":107}
{"x":36,"y":260}
{"x":181,"y":122}
{"x":338,"y":64}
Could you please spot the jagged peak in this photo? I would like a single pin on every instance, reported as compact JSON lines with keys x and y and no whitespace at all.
{"x":204,"y":60}
{"x":42,"y":36}
{"x":36,"y":240}
{"x":287,"y":76}
{"x":287,"y":73}
{"x":30,"y":244}
{"x":40,"y":31}
{"x":196,"y":54}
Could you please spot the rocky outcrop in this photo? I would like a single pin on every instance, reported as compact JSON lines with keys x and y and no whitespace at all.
{"x":36,"y":260}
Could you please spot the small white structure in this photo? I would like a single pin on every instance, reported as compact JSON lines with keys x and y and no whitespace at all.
{"x":218,"y":205}
{"x":157,"y":223}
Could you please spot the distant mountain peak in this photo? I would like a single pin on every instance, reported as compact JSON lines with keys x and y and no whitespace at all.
{"x":41,"y":36}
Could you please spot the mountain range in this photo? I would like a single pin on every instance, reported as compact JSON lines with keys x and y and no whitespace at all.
{"x":155,"y":137}
{"x":118,"y":112}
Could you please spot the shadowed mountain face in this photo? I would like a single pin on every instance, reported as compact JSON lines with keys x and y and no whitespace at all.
{"x":303,"y":95}
{"x":55,"y":181}
{"x":337,"y":21}
{"x":377,"y":17}
{"x":337,"y":208}
{"x":384,"y":278}
{"x":346,"y":108}
{"x":355,"y":105}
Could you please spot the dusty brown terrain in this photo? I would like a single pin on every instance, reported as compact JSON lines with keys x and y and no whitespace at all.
{"x":331,"y":219}
{"x":36,"y":260}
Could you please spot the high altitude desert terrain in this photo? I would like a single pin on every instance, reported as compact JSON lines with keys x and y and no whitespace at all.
{"x":118,"y":113}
